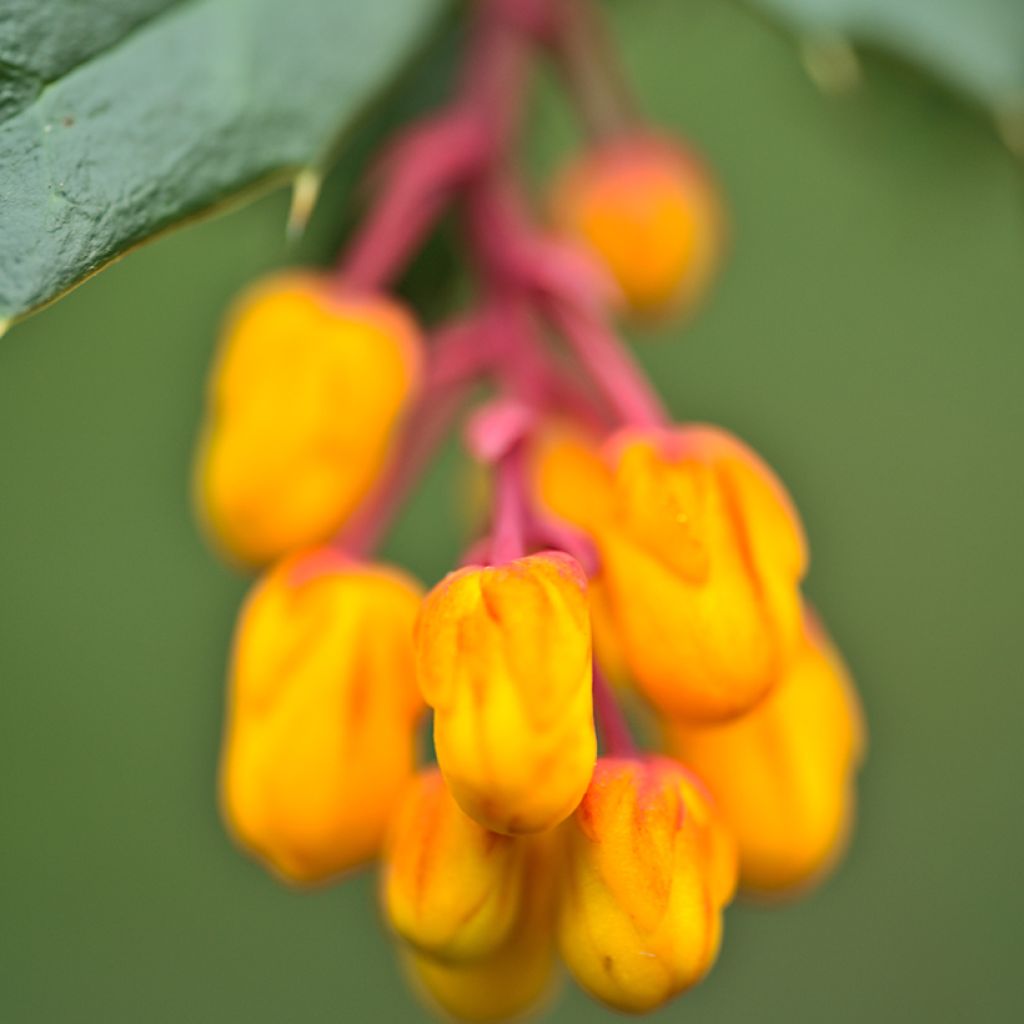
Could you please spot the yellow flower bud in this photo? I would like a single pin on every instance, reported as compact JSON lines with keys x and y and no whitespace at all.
{"x":569,"y":474}
{"x":320,"y":736}
{"x":503,"y":656}
{"x":515,"y":977}
{"x":303,"y":402}
{"x":782,"y":774}
{"x":648,"y":867}
{"x":651,"y":215}
{"x":701,"y":558}
{"x":450,"y":888}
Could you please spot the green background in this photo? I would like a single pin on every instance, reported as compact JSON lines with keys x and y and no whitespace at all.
{"x":866,"y":336}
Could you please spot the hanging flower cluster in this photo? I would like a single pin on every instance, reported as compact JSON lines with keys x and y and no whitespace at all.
{"x":626,"y":559}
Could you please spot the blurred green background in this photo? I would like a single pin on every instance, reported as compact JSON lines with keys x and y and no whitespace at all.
{"x":866,"y":336}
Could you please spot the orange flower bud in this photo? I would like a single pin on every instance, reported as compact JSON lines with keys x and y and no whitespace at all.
{"x":650,"y":213}
{"x":783,"y":773}
{"x":303,"y":402}
{"x":450,"y":888}
{"x":322,"y":713}
{"x":569,"y":474}
{"x":516,"y":976}
{"x":503,"y":656}
{"x":648,"y":867}
{"x":701,"y":558}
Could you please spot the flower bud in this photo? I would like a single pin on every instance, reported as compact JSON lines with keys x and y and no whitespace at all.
{"x":782,"y":774}
{"x":647,"y":868}
{"x":516,"y":976}
{"x":303,"y":402}
{"x":701,"y":558}
{"x":322,"y":713}
{"x":503,"y":656}
{"x":650,"y":213}
{"x":450,"y":888}
{"x":569,"y":475}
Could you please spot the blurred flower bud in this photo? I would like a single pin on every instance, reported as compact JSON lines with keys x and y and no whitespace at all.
{"x":503,"y":656}
{"x":647,"y":869}
{"x":451,"y":888}
{"x":650,"y":212}
{"x":782,"y":774}
{"x":303,"y":402}
{"x":701,"y":558}
{"x":568,"y":473}
{"x":322,"y":713}
{"x":702,"y":563}
{"x":518,"y":974}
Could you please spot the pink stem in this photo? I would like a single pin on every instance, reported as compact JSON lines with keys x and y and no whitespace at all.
{"x":566,"y":397}
{"x":618,"y":740}
{"x":522,"y":369}
{"x":579,"y":42}
{"x":443,"y":154}
{"x":531,"y":371}
{"x":536,"y":18}
{"x":609,"y":365}
{"x":465,"y":150}
{"x":440,"y":156}
{"x":461,"y":352}
{"x":497,"y":427}
{"x":508,"y":535}
{"x":515,"y":256}
{"x":494,"y":75}
{"x":427,"y":167}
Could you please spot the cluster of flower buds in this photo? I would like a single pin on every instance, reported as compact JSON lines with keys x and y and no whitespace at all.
{"x":625,"y":560}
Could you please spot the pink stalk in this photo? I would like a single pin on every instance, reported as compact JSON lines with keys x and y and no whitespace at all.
{"x":433,"y":162}
{"x":609,"y":365}
{"x":519,"y":257}
{"x":496,"y":429}
{"x":495,"y":73}
{"x":570,"y":292}
{"x":461,"y":352}
{"x":618,"y":740}
{"x":508,"y":534}
{"x":579,"y":42}
{"x":464,"y":151}
{"x":569,"y":398}
{"x":536,"y":18}
{"x":529,"y":370}
{"x":425,"y":171}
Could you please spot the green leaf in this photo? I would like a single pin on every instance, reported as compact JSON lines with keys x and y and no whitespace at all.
{"x":122,"y":118}
{"x":975,"y":45}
